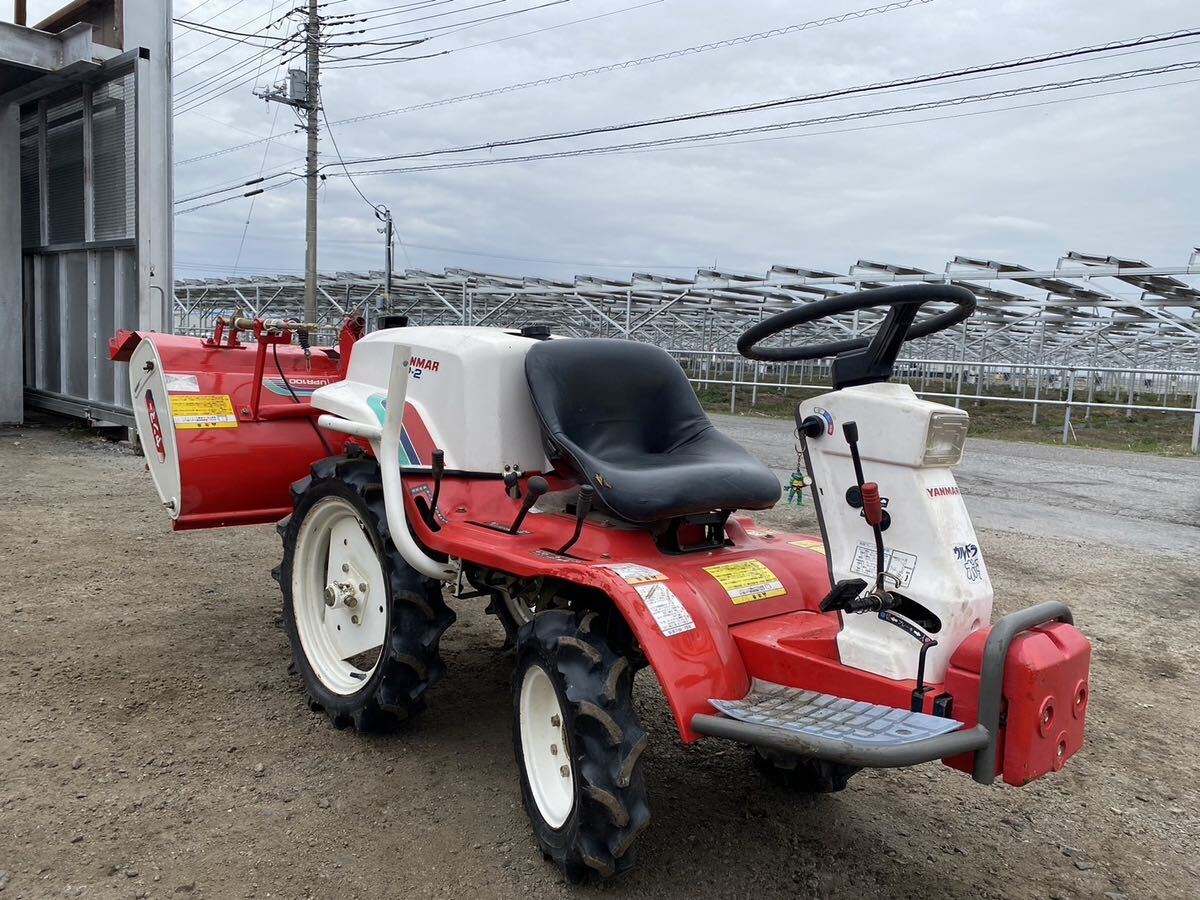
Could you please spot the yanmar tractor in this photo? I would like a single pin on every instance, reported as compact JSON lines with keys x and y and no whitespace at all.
{"x":578,"y":488}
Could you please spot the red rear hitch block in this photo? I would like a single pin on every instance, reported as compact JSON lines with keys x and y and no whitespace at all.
{"x":1042,"y":705}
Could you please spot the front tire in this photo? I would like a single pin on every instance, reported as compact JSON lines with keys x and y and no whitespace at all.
{"x":579,"y":745}
{"x":364,"y":626}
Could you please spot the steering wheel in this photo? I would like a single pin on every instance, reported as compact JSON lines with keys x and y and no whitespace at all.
{"x":862,"y":360}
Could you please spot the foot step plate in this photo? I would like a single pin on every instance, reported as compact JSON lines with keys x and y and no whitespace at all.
{"x":823,"y":715}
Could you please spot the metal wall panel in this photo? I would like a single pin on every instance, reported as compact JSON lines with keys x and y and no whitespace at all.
{"x":79,"y":216}
{"x":65,"y":202}
{"x":30,"y":178}
{"x":113,"y":163}
{"x":47,"y":324}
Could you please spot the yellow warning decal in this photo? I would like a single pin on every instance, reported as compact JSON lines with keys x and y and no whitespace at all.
{"x":192,"y":412}
{"x":747,"y":581}
{"x":810,"y":544}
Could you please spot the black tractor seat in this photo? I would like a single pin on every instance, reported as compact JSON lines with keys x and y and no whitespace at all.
{"x":622,"y":417}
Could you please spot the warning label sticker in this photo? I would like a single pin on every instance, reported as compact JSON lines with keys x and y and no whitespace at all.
{"x":747,"y":581}
{"x":633,"y":573}
{"x":816,"y":546}
{"x":668,"y":612}
{"x":900,"y":565}
{"x":181,"y":384}
{"x":193,"y":412}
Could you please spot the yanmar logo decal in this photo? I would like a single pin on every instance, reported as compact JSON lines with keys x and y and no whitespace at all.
{"x":429,"y":365}
{"x":943,"y":491}
{"x":420,"y":366}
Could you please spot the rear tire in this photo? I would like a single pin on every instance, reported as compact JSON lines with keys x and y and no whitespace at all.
{"x":803,"y":774}
{"x":401,"y":612}
{"x":579,"y":745}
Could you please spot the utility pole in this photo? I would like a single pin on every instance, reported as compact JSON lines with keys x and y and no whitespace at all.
{"x":313,"y":105}
{"x":302,"y":91}
{"x":385,"y":215}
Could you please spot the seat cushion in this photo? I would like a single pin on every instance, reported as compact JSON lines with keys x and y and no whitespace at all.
{"x":622,"y":417}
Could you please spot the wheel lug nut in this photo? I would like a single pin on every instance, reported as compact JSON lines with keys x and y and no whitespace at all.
{"x":345,"y":567}
{"x":330,"y":596}
{"x":554,"y":749}
{"x":555,"y":721}
{"x":362,"y":587}
{"x":565,"y":771}
{"x":354,"y":619}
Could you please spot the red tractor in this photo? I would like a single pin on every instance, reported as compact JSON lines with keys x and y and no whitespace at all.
{"x":578,"y":488}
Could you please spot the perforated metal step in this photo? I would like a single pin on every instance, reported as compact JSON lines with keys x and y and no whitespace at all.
{"x":826,"y":716}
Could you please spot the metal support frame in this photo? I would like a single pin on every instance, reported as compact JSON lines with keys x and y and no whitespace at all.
{"x":1078,"y":316}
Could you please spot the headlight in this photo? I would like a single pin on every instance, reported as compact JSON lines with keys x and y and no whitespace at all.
{"x":945,"y":438}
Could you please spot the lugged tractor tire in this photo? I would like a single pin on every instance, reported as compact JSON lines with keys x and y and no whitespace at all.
{"x":803,"y":774}
{"x":602,"y":743}
{"x":409,"y":661}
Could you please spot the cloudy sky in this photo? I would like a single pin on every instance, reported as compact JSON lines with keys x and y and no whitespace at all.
{"x":1105,"y":167}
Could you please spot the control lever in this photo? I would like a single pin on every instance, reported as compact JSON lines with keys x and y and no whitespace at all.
{"x":872,"y":503}
{"x":537,"y":486}
{"x":438,"y":469}
{"x":583,"y":506}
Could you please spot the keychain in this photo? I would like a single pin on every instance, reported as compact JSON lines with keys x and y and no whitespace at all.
{"x":799,"y":481}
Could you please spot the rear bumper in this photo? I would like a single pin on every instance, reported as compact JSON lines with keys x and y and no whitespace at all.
{"x":981,"y":741}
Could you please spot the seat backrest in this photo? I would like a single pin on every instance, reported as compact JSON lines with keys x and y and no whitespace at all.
{"x":606,"y":396}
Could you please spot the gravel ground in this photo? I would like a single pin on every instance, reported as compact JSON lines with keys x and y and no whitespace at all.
{"x":153,"y":745}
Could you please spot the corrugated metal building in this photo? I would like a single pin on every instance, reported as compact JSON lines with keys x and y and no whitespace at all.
{"x":85,"y":201}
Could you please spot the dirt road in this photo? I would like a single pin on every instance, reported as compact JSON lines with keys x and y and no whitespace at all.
{"x":153,"y":745}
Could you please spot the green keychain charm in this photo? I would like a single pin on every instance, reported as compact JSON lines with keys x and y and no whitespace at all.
{"x":796,"y":488}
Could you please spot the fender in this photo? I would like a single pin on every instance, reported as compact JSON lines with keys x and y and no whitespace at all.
{"x":693,"y":653}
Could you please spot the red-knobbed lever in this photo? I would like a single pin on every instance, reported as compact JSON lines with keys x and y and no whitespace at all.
{"x":872,"y":504}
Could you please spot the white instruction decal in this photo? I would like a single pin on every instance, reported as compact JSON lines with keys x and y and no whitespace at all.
{"x":633,"y":573}
{"x":666,"y":608}
{"x":900,"y":565}
{"x":181,"y":384}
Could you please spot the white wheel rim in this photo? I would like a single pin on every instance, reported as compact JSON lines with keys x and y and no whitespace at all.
{"x":342,"y":641}
{"x":544,"y":747}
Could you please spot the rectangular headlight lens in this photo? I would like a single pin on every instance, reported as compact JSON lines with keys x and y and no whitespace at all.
{"x":945,"y":438}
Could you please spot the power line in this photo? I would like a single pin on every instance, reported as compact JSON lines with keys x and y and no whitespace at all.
{"x":213,"y":91}
{"x":920,"y":80}
{"x":196,"y":7}
{"x":510,"y":37}
{"x":250,"y":212}
{"x":449,"y":12}
{"x":480,"y":20}
{"x":712,"y":139}
{"x":708,"y":139}
{"x":263,"y":190}
{"x":596,"y":70}
{"x":227,"y":71}
{"x":211,"y":30}
{"x":381,"y":212}
{"x":653,"y":58}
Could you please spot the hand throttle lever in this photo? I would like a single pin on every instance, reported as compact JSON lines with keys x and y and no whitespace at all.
{"x":537,"y":486}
